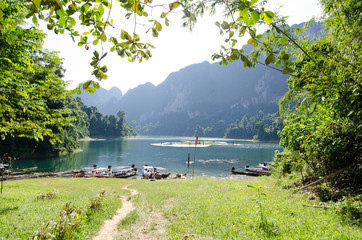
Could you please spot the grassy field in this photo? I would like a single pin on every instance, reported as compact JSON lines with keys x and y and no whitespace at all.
{"x":200,"y":208}
{"x":22,"y":212}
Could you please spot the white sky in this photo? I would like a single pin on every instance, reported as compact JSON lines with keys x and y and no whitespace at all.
{"x":176,"y":48}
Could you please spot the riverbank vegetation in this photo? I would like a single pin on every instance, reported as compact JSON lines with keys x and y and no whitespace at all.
{"x":193,"y":208}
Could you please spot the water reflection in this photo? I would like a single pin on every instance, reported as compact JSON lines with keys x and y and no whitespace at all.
{"x":214,"y":160}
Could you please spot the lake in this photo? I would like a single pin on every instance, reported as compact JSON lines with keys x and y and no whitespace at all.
{"x":163,"y":152}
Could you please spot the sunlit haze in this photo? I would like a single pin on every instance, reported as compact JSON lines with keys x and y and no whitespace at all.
{"x":176,"y":47}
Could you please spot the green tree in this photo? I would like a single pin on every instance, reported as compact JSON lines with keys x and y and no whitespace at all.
{"x":322,"y":109}
{"x":123,"y":128}
{"x":35,"y":109}
{"x":106,"y":126}
{"x":324,"y":127}
{"x":28,"y":79}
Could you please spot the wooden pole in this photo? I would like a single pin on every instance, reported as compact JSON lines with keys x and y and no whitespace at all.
{"x":325,"y":178}
{"x":193,"y":167}
{"x":2,"y":180}
{"x":188,"y":163}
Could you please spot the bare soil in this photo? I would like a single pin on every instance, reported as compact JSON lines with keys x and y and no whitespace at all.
{"x":109,"y":229}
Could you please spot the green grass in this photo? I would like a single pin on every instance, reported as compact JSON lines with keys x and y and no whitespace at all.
{"x":22,"y":212}
{"x":200,"y":208}
{"x":130,"y":219}
{"x":214,"y":209}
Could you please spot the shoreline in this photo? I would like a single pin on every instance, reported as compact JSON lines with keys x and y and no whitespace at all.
{"x":70,"y":173}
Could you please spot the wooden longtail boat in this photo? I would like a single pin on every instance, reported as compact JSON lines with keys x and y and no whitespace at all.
{"x":251,"y":172}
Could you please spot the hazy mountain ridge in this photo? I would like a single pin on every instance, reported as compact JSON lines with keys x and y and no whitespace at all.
{"x":103,"y":99}
{"x":201,"y":94}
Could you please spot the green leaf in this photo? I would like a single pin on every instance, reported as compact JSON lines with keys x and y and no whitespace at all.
{"x":123,"y":34}
{"x":259,"y":36}
{"x":61,"y":13}
{"x":96,"y":54}
{"x":278,"y":63}
{"x":287,"y":70}
{"x":107,"y":4}
{"x":154,"y":32}
{"x":270,"y":59}
{"x":103,"y":37}
{"x":225,"y":25}
{"x":71,"y":21}
{"x":234,"y":42}
{"x":37,"y":3}
{"x":90,"y":89}
{"x":269,"y":14}
{"x":243,"y":58}
{"x":163,"y":15}
{"x":253,"y":42}
{"x":158,"y":26}
{"x":187,"y":13}
{"x":286,"y":57}
{"x":62,"y":21}
{"x":101,"y":9}
{"x":87,"y":84}
{"x":231,"y":34}
{"x":283,"y":40}
{"x":243,"y":13}
{"x":96,"y":85}
{"x":74,"y":91}
{"x":173,"y":5}
{"x":255,"y":16}
{"x":252,"y":33}
{"x":34,"y":20}
{"x":268,"y":17}
{"x":249,"y":63}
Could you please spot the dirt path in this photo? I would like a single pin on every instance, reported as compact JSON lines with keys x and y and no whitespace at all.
{"x":109,"y":229}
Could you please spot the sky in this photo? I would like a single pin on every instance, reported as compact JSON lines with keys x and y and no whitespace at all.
{"x":176,"y":48}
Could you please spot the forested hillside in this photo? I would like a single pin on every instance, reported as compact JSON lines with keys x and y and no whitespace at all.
{"x":106,"y":125}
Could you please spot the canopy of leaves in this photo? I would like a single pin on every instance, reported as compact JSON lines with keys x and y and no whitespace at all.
{"x":34,"y":106}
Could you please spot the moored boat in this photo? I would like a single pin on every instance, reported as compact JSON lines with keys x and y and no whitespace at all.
{"x":148,"y":171}
{"x":106,"y":172}
{"x":265,"y":165}
{"x":151,"y":172}
{"x":251,"y":172}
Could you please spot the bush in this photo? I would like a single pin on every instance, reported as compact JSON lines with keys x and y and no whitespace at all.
{"x":350,"y":209}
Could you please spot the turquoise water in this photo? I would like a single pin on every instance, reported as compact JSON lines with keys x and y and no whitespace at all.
{"x":213,"y":160}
